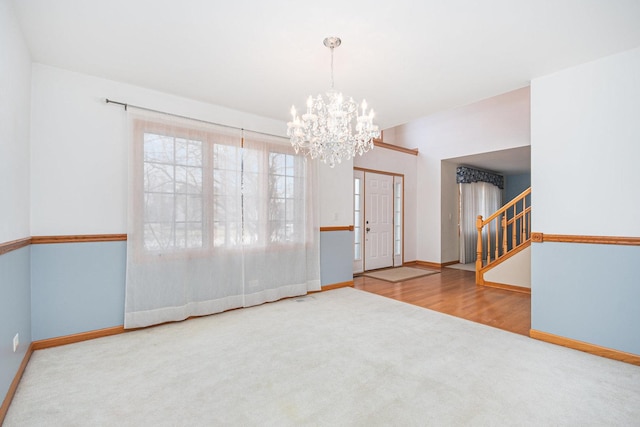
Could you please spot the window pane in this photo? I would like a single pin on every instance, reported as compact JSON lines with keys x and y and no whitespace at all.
{"x":277,"y":164}
{"x":251,"y":161}
{"x":180,"y":151}
{"x":276,"y":209}
{"x":180,"y":207}
{"x":286,"y":186}
{"x":290,"y":162}
{"x":226,"y":182}
{"x":194,"y":235}
{"x":226,"y":196}
{"x":289,"y":212}
{"x":250,"y":185}
{"x":194,"y":208}
{"x":158,"y":148}
{"x":289,"y":187}
{"x":225,"y":156}
{"x":194,"y":154}
{"x":226,"y":208}
{"x":278,"y":186}
{"x":250,"y":215}
{"x":159,"y":207}
{"x":180,"y":179}
{"x":226,"y":233}
{"x":158,"y":235}
{"x":194,"y":180}
{"x":219,"y":233}
{"x":158,"y":177}
{"x":167,"y":183}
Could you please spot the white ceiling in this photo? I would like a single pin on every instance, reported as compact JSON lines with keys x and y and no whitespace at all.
{"x":409,"y":58}
{"x":513,"y":161}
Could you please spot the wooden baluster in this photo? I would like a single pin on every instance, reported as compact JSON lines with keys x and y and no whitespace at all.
{"x":479,"y":251}
{"x":522,"y":228}
{"x":497,"y":241}
{"x":488,"y":253}
{"x":504,"y":233}
{"x":513,"y":228}
{"x":488,"y":243}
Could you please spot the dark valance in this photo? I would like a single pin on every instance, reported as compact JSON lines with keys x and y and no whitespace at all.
{"x":465,"y":175}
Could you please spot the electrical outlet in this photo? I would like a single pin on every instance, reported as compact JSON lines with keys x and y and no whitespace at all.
{"x":16,"y":341}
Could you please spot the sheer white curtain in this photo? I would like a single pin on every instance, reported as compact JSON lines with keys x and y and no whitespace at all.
{"x":215,"y":221}
{"x":476,"y":198}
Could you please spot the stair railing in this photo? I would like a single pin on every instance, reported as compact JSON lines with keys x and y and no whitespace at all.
{"x":513,"y":219}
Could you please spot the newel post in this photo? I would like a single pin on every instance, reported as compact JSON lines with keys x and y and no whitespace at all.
{"x":479,"y":251}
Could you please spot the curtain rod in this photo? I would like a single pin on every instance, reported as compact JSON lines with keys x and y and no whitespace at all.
{"x":126,"y":106}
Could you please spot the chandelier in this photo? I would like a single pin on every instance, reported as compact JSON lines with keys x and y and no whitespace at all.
{"x":327,"y":130}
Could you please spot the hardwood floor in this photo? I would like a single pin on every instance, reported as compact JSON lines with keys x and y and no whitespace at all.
{"x":454,"y":292}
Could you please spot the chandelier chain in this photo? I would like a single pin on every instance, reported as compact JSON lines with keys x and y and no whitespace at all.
{"x":332,"y":68}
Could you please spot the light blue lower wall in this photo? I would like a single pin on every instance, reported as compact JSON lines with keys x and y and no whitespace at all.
{"x":79,"y":287}
{"x":15,"y":313}
{"x":587,"y":292}
{"x":53,"y":290}
{"x":76,"y":287}
{"x":336,"y":257}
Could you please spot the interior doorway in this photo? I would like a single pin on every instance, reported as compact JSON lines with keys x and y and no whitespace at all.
{"x":378,"y":220}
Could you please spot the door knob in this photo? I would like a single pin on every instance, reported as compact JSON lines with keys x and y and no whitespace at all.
{"x":368,"y":229}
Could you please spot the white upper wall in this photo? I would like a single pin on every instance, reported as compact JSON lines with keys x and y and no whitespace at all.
{"x":585,"y":148}
{"x":79,"y":148}
{"x":15,"y":90}
{"x":336,"y":194}
{"x":493,"y":124}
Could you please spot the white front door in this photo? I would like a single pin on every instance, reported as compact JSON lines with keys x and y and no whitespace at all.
{"x":378,"y":221}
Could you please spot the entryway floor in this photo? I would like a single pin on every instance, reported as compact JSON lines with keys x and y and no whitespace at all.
{"x":455,"y":292}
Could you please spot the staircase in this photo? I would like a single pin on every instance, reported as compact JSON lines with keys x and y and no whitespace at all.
{"x":501,"y":237}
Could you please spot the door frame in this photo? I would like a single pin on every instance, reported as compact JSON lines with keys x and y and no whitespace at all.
{"x":397,"y":260}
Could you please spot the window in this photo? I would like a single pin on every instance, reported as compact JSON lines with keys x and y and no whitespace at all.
{"x":357,"y":219}
{"x":219,"y":218}
{"x":285,"y":182}
{"x":397,"y":216}
{"x":200,"y":193}
{"x":173,"y":172}
{"x":226,"y":217}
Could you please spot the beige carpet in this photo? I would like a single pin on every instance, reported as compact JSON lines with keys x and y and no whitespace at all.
{"x":338,"y":358}
{"x":399,"y":274}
